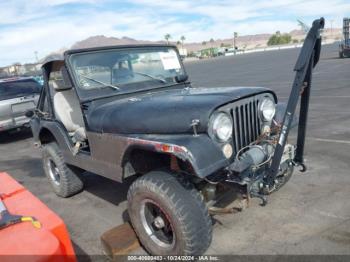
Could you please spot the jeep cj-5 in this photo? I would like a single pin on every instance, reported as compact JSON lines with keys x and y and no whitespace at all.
{"x":127,"y":111}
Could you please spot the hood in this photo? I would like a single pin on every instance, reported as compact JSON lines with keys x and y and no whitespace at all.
{"x":164,"y":112}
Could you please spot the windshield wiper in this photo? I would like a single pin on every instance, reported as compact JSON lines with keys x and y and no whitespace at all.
{"x":100,"y":82}
{"x":151,"y":76}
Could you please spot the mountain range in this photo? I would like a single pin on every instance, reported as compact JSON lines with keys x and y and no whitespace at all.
{"x":246,"y":42}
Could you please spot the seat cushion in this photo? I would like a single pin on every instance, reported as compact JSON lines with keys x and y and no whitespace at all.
{"x":68,"y":111}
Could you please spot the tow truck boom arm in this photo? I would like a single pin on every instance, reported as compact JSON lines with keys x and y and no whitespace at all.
{"x":307,"y":60}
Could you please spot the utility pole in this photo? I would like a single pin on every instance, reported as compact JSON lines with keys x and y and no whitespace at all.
{"x":235,"y":34}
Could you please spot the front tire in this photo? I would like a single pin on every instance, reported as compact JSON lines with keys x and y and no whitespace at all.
{"x":64,"y":179}
{"x":168,"y":215}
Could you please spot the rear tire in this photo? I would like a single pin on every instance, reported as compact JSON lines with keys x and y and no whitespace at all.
{"x":168,"y":215}
{"x":64,"y":179}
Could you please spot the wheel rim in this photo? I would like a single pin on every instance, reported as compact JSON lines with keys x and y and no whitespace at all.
{"x":156,"y":224}
{"x":54,"y":172}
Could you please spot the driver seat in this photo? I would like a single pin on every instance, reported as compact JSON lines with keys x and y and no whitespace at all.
{"x":67,"y":110}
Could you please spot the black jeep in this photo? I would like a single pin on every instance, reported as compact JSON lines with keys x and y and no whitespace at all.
{"x":130,"y":110}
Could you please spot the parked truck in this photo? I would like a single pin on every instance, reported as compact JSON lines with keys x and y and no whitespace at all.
{"x":344,"y":47}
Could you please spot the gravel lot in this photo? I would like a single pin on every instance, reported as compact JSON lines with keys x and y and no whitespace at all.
{"x":310,"y":215}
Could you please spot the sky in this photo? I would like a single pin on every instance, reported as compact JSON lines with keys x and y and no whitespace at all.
{"x":35,"y":26}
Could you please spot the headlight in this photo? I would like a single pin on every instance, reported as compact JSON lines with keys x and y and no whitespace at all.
{"x":222,"y":126}
{"x":267,"y":109}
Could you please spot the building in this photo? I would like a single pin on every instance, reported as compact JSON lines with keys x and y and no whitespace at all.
{"x":17,"y":69}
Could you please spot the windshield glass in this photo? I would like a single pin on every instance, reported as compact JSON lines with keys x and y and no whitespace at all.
{"x":19,"y":88}
{"x":125,"y":70}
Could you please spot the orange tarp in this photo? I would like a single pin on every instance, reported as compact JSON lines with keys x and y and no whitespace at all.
{"x":49,"y":243}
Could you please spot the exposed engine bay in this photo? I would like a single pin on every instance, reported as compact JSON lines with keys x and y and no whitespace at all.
{"x":250,"y":167}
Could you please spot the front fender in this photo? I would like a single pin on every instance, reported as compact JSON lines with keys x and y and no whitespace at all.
{"x":200,"y":151}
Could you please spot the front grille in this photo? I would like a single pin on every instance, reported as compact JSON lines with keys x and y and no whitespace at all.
{"x":246,"y":123}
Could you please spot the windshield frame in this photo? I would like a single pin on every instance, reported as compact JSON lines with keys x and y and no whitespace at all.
{"x":94,"y":94}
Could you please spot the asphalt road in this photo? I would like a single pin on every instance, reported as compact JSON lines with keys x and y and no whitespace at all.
{"x":310,"y":215}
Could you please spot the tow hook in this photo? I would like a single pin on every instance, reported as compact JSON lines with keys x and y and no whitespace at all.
{"x":303,"y":167}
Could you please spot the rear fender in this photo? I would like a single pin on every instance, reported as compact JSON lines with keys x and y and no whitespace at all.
{"x":58,"y":132}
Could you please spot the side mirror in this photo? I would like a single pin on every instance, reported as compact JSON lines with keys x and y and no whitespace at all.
{"x":181,"y":78}
{"x":29,"y":113}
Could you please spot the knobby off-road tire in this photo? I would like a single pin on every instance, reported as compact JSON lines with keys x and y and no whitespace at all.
{"x":63,"y":178}
{"x":187,"y":226}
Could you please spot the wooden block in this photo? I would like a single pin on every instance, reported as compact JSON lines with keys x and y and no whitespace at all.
{"x":120,"y":240}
